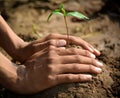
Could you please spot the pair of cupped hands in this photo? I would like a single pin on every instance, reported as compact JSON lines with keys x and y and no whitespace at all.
{"x":46,"y":63}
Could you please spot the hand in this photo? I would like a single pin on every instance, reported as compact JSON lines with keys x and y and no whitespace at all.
{"x":55,"y":65}
{"x":29,"y":49}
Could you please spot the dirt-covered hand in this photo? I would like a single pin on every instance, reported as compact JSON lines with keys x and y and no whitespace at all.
{"x":55,"y":65}
{"x":29,"y":49}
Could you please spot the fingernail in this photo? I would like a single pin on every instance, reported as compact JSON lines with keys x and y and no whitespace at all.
{"x":97,"y":51}
{"x":99,"y":63}
{"x":61,"y":43}
{"x":89,"y":76}
{"x":92,"y":55}
{"x":99,"y":70}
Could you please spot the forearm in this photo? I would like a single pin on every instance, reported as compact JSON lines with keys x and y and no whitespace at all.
{"x":8,"y":74}
{"x":12,"y":76}
{"x":9,"y":41}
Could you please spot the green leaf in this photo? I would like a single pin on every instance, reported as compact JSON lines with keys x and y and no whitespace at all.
{"x":58,"y":13}
{"x":54,"y":12}
{"x":77,"y":14}
{"x":61,"y":6}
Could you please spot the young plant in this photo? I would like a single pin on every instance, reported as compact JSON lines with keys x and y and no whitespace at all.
{"x":61,"y":11}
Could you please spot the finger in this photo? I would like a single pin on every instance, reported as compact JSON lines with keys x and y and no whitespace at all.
{"x":84,"y":44}
{"x":79,"y":59}
{"x":78,"y":68}
{"x":53,"y":42}
{"x":69,"y":78}
{"x":95,"y":51}
{"x":60,"y":49}
{"x":75,"y":41}
{"x":74,"y":51}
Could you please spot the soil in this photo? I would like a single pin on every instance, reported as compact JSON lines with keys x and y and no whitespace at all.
{"x":102,"y":31}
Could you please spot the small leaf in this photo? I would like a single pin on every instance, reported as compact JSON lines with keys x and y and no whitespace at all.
{"x":49,"y":17}
{"x":61,"y":6}
{"x":77,"y":14}
{"x":54,"y":12}
{"x":58,"y":13}
{"x":64,"y":12}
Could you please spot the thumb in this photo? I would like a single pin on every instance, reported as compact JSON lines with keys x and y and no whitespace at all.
{"x":60,"y":43}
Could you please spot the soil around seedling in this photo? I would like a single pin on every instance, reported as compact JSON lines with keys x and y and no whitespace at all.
{"x":102,"y":31}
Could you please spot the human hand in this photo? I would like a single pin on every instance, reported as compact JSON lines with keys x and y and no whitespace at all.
{"x":55,"y":65}
{"x":29,"y":49}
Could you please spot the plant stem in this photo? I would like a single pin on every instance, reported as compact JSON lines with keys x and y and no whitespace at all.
{"x":67,"y":30}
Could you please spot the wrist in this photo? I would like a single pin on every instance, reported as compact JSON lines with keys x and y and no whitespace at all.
{"x":8,"y":73}
{"x":11,"y":75}
{"x":9,"y":41}
{"x":18,"y":84}
{"x":18,"y":51}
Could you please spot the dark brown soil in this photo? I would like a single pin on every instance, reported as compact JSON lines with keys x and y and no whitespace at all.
{"x":102,"y":31}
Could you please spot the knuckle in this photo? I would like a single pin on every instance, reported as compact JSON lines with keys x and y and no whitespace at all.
{"x":52,"y":51}
{"x":51,"y":42}
{"x":91,"y":68}
{"x":75,"y":67}
{"x":51,"y":69}
{"x":86,"y":52}
{"x":51,"y":79}
{"x":58,"y":50}
{"x":74,"y":50}
{"x":53,"y":56}
{"x":83,"y":78}
{"x":80,"y":77}
{"x":50,"y":48}
{"x":51,"y":36}
{"x":51,"y":59}
{"x":69,"y":77}
{"x":78,"y":58}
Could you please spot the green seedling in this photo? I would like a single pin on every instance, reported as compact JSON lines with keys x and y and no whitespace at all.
{"x":61,"y":11}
